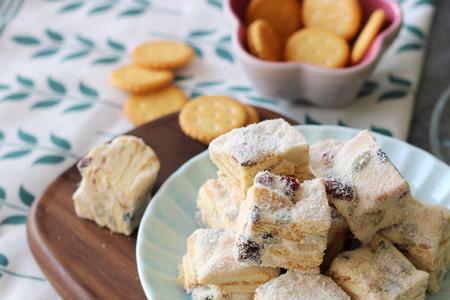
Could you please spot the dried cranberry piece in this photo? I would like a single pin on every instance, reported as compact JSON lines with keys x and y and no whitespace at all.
{"x":338,"y":189}
{"x":328,"y":159}
{"x":264,"y":178}
{"x":291,"y":182}
{"x":248,"y":250}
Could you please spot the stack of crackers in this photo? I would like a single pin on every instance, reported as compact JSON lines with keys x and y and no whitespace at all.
{"x":336,"y":220}
{"x":149,"y":80}
{"x":327,"y":33}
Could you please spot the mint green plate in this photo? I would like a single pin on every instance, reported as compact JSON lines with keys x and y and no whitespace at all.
{"x":170,"y":216}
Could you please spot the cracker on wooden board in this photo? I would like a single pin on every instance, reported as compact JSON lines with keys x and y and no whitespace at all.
{"x":206,"y":117}
{"x":252,"y":114}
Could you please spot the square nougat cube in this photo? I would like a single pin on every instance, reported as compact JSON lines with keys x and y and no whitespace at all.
{"x":210,"y":261}
{"x":378,"y":271}
{"x":424,"y":238}
{"x":298,"y":286}
{"x":283,"y":224}
{"x":366,"y":187}
{"x":218,"y":207}
{"x":269,"y":145}
{"x":337,"y":236}
{"x":117,"y":179}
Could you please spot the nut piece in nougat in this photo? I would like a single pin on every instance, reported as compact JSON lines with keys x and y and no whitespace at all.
{"x":298,"y":286}
{"x":366,"y":187}
{"x":117,"y":179}
{"x":269,"y":145}
{"x":378,"y":271}
{"x":218,"y":207}
{"x":337,"y":236}
{"x":283,"y":223}
{"x":209,"y":261}
{"x":424,"y":238}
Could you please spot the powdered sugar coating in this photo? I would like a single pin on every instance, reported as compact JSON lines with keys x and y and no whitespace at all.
{"x":283,"y":229}
{"x":311,"y":204}
{"x":425,"y":225}
{"x":366,"y":187}
{"x":378,"y":271}
{"x":217,"y":205}
{"x":209,"y":292}
{"x":306,"y":205}
{"x":376,"y":182}
{"x":253,"y":143}
{"x":213,"y":261}
{"x":284,"y":185}
{"x":424,"y":238}
{"x":322,"y":155}
{"x":297,"y":286}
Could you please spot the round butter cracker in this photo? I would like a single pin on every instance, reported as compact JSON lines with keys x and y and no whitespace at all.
{"x":162,"y":55}
{"x":252,"y":115}
{"x":206,"y":117}
{"x":134,"y":79}
{"x":282,"y":15}
{"x":340,"y":16}
{"x":319,"y":47}
{"x":367,"y":35}
{"x":262,"y":41}
{"x":146,"y":107}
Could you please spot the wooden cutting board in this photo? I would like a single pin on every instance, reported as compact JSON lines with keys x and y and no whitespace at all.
{"x":83,"y":260}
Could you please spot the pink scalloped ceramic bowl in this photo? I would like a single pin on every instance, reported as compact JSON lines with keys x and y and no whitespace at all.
{"x":296,"y":81}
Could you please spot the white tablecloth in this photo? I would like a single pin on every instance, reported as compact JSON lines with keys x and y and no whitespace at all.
{"x":55,"y":102}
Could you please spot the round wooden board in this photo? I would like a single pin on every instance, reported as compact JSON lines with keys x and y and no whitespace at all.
{"x":83,"y":260}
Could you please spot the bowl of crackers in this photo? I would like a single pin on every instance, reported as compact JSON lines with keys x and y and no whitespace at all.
{"x":319,"y":52}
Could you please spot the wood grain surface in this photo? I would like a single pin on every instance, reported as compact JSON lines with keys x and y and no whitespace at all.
{"x":83,"y":260}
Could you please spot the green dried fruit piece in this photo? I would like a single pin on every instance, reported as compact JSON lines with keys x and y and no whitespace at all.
{"x":361,"y":161}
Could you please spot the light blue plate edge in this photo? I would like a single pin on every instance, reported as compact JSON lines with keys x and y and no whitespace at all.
{"x":148,"y":211}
